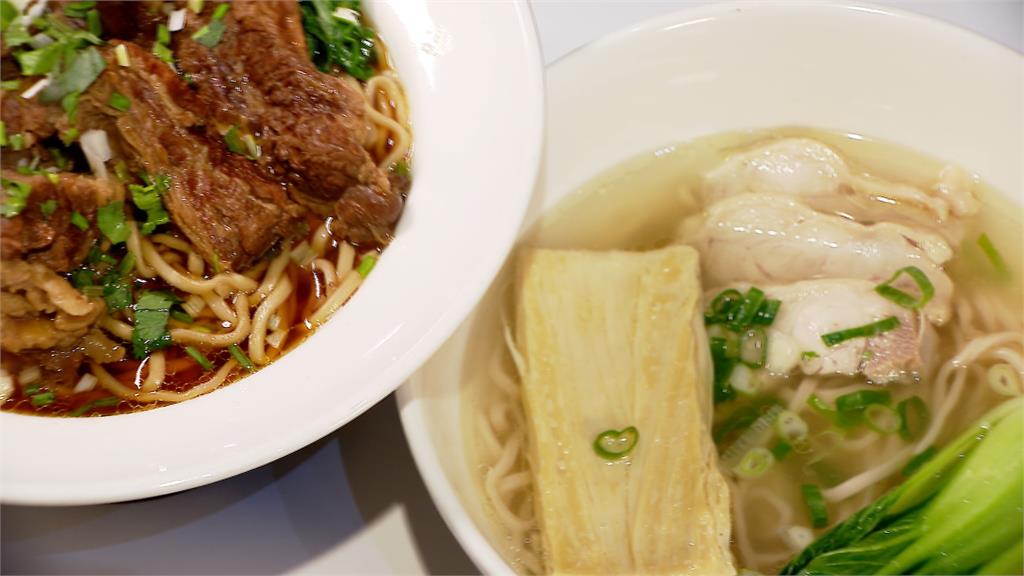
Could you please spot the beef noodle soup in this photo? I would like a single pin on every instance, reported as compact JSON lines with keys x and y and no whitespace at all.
{"x":626,"y":411}
{"x":190,"y":190}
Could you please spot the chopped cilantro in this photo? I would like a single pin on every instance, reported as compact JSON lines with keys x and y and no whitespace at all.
{"x":79,"y":75}
{"x":152,"y":309}
{"x":147,"y":198}
{"x":110,"y":219}
{"x":120,"y":102}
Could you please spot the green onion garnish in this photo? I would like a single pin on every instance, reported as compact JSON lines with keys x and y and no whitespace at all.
{"x":882,"y":419}
{"x":615,"y":444}
{"x":233,"y":139}
{"x":754,"y":347}
{"x":17,"y":141}
{"x":366,"y":265}
{"x":121,"y":53}
{"x":993,"y":255}
{"x":220,"y":11}
{"x":69,"y":136}
{"x":10,"y":84}
{"x":163,"y":53}
{"x":3,"y":133}
{"x":723,"y":365}
{"x":743,"y":313}
{"x":861,"y":399}
{"x":79,"y":221}
{"x":791,"y":427}
{"x":914,"y":417}
{"x":809,"y":355}
{"x":92,"y":22}
{"x":163,"y":34}
{"x":195,"y":5}
{"x":866,"y":331}
{"x":199,"y":357}
{"x":766,"y":313}
{"x":815,"y":505}
{"x":755,"y":463}
{"x":240,"y":357}
{"x":781,"y":449}
{"x":720,"y":307}
{"x":120,"y":102}
{"x":107,"y":402}
{"x":914,"y":463}
{"x":42,"y":399}
{"x":927,"y":290}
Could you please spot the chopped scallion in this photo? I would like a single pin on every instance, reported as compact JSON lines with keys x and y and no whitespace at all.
{"x":42,"y":399}
{"x":815,"y":505}
{"x":92,"y":22}
{"x":120,"y":102}
{"x":16,"y":197}
{"x":755,"y":463}
{"x":220,"y":11}
{"x":743,"y":313}
{"x":163,"y":53}
{"x":866,"y":331}
{"x":195,"y":6}
{"x":79,"y":221}
{"x":1003,"y":379}
{"x":241,"y":357}
{"x":781,"y":449}
{"x":993,"y":255}
{"x":754,"y":347}
{"x":366,"y":265}
{"x":199,"y":357}
{"x":17,"y":141}
{"x":10,"y":84}
{"x":791,"y":427}
{"x":615,"y":444}
{"x":882,"y":419}
{"x":163,"y":34}
{"x":914,"y":417}
{"x":3,"y":133}
{"x":861,"y":399}
{"x":722,"y":305}
{"x":233,"y":140}
{"x":108,"y":402}
{"x":766,"y":313}
{"x":121,"y":54}
{"x":901,"y":298}
{"x":723,"y":366}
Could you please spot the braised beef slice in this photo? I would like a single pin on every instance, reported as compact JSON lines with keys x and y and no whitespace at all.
{"x":30,"y":117}
{"x":51,"y":239}
{"x":232,"y":212}
{"x":311,"y":125}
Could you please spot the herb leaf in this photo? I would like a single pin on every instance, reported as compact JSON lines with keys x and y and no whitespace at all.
{"x":147,"y":198}
{"x":152,"y":310}
{"x":79,"y":75}
{"x":334,"y":40}
{"x":110,"y":219}
{"x":16,"y":197}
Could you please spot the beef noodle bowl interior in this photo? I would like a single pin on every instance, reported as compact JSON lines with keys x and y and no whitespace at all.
{"x":189,"y":190}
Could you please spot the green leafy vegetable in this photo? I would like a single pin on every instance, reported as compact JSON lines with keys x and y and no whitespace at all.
{"x":914,"y":463}
{"x":39,"y":61}
{"x":78,"y":9}
{"x":110,"y":219}
{"x":79,"y":75}
{"x":163,"y":34}
{"x":152,"y":309}
{"x":8,"y":12}
{"x":815,"y":505}
{"x":148,"y":199}
{"x":16,"y":197}
{"x":335,"y":40}
{"x":957,"y":514}
{"x":210,"y":34}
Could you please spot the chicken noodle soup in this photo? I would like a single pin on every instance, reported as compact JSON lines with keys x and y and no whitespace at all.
{"x":190,"y":189}
{"x":862,"y":311}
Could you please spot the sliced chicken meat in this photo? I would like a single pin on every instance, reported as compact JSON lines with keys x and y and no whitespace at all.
{"x":778,"y":240}
{"x":823,"y":180}
{"x":813,"y":308}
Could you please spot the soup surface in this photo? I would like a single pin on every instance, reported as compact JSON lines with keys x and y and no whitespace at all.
{"x":673,"y":195}
{"x":190,"y":190}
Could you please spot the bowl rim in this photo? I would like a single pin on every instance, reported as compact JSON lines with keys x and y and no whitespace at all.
{"x":412,"y":411}
{"x":154,"y":479}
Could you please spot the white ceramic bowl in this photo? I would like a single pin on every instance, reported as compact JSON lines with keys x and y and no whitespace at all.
{"x":473,"y":76}
{"x":878,"y":72}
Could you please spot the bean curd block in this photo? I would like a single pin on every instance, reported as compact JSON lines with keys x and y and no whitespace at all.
{"x":609,"y":341}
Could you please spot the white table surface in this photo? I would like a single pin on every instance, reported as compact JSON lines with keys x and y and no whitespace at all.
{"x":351,"y":503}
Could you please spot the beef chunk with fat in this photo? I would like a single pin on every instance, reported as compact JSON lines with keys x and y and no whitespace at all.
{"x":311,"y":125}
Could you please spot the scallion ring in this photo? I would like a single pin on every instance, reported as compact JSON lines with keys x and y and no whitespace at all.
{"x":720,"y":307}
{"x":791,"y":427}
{"x":882,"y":419}
{"x":901,"y":298}
{"x":615,"y":444}
{"x":1003,"y":379}
{"x":754,"y":347}
{"x":754,"y":463}
{"x":914,"y":417}
{"x":866,"y":331}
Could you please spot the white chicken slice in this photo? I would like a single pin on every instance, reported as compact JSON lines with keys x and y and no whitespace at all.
{"x":820,"y":177}
{"x":778,"y":240}
{"x":813,"y":308}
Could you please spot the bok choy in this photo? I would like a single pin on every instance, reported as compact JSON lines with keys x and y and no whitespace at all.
{"x":959,"y":513}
